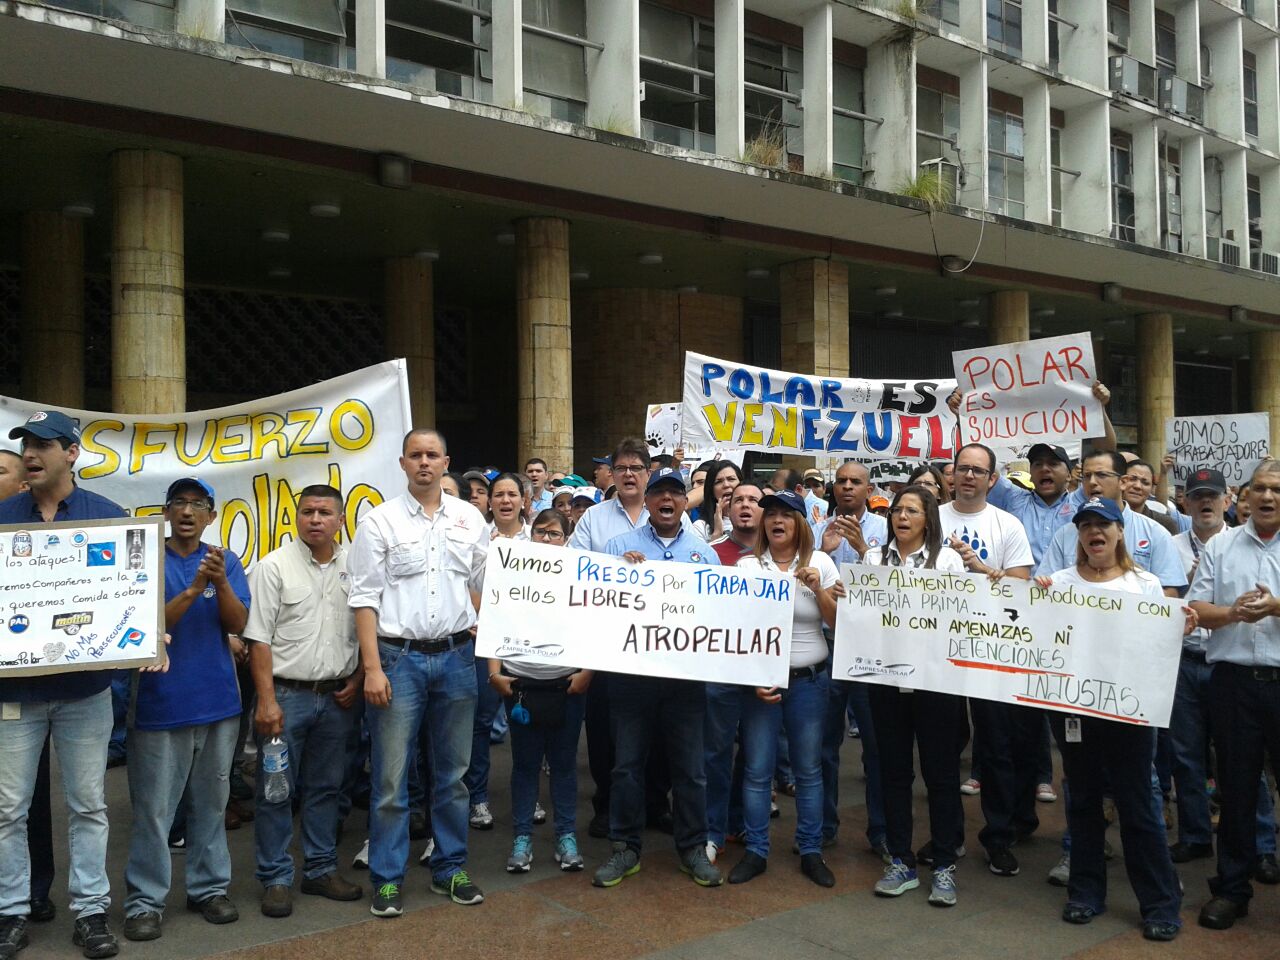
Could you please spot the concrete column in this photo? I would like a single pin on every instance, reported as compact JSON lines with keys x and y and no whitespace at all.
{"x":371,"y":38}
{"x":1086,"y":140}
{"x":203,"y":19}
{"x":814,"y":323}
{"x":148,"y":332}
{"x":1235,"y":201}
{"x":1102,"y":357}
{"x":1224,"y":101}
{"x":818,"y":95}
{"x":973,"y":132}
{"x":730,"y":75}
{"x":1264,"y":379}
{"x":1268,"y":54}
{"x":613,"y":74}
{"x":1035,"y":31}
{"x":1148,"y":185}
{"x":545,"y":357}
{"x":508,"y":54}
{"x":889,"y":149}
{"x":973,"y":22}
{"x":1037,"y":154}
{"x":1142,"y":30}
{"x":1083,"y":51}
{"x":1186,"y":21}
{"x":1155,"y":382}
{"x":1269,"y":178}
{"x":1191,"y":157}
{"x":408,"y":305}
{"x":1009,"y":316}
{"x":53,"y":309}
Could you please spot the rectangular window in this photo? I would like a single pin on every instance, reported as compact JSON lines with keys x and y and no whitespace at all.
{"x":1171,"y":227}
{"x":677,"y":68}
{"x":1055,"y":43}
{"x":1250,"y":95}
{"x":1004,"y":26}
{"x":773,"y":73}
{"x":947,"y":11}
{"x":1253,"y":194}
{"x":440,"y":47}
{"x":848,"y":132}
{"x":1212,"y":197}
{"x":300,"y":29}
{"x":555,"y":70}
{"x":937,"y":130}
{"x":1123,"y":210}
{"x":1055,"y":177}
{"x":1005,"y":172}
{"x":1118,"y":28}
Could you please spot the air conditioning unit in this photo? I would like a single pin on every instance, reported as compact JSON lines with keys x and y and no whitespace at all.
{"x":1265,"y":261}
{"x":1224,"y":251}
{"x":1133,"y":78}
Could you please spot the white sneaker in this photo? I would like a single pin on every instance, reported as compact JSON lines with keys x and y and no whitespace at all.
{"x":971,"y":787}
{"x":1045,"y":793}
{"x":539,"y":813}
{"x":712,"y":851}
{"x":481,"y":817}
{"x":361,"y":860}
{"x":1061,"y":871}
{"x":427,"y":851}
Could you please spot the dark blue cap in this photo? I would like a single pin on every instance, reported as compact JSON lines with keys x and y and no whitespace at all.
{"x":1102,"y":507}
{"x":666,"y":476}
{"x":785,"y":498}
{"x":604,"y":461}
{"x":1040,"y":450}
{"x":48,"y":425}
{"x":188,"y":483}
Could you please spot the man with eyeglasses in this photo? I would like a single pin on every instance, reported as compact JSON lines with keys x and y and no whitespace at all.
{"x":993,"y":542}
{"x":71,"y":709}
{"x":186,"y":722}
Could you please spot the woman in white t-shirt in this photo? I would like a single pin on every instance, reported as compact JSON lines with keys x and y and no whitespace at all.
{"x":506,"y":503}
{"x":905,"y":720}
{"x":786,"y":544}
{"x":1099,"y":754}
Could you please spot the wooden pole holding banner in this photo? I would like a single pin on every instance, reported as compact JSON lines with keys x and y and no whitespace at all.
{"x":1264,"y":377}
{"x":1155,"y":383}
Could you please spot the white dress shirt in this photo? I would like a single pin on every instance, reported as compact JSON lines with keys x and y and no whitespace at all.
{"x":418,"y":571}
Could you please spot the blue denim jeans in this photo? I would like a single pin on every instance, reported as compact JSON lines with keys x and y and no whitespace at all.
{"x":725,"y":703}
{"x":318,"y":734}
{"x":842,"y":695}
{"x":161,"y":764}
{"x":80,"y":730}
{"x":802,"y":712}
{"x":529,"y":744}
{"x":487,"y":704}
{"x":438,"y":689}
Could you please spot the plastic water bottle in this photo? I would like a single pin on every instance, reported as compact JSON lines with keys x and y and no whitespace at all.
{"x":275,"y":766}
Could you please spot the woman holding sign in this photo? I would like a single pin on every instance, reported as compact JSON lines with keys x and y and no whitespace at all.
{"x":905,"y":719}
{"x":1100,"y":754}
{"x":787,"y":544}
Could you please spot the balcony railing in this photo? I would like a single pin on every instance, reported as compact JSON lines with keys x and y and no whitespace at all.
{"x":1133,"y":78}
{"x":1182,"y":97}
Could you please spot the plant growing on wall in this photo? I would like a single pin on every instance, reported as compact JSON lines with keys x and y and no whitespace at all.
{"x":928,"y":187}
{"x":768,"y":148}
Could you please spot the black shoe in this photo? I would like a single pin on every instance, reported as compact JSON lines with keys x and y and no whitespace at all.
{"x":13,"y":936}
{"x":1220,"y":913}
{"x":215,"y":909}
{"x":748,"y":868}
{"x":1002,"y":862}
{"x":42,"y":910}
{"x":94,"y":937}
{"x":599,"y":826}
{"x":418,"y":828}
{"x":142,"y":926}
{"x":1182,"y":852}
{"x":815,"y":868}
{"x":240,"y":789}
{"x":1078,"y":913}
{"x":1159,"y":930}
{"x":1266,"y":870}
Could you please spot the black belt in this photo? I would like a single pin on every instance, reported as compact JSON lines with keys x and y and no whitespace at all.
{"x":1195,"y":656}
{"x":1261,"y":674}
{"x":314,"y":686}
{"x":808,"y":673}
{"x":442,"y":645}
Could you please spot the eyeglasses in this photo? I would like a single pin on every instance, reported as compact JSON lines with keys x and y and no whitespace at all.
{"x":1101,"y":475}
{"x":971,"y":471}
{"x":195,"y":505}
{"x":906,"y":511}
{"x":630,"y":468}
{"x":927,"y":484}
{"x":551,"y":536}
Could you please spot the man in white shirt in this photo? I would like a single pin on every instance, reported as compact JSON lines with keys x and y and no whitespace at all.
{"x":415,"y":562}
{"x":993,"y":542}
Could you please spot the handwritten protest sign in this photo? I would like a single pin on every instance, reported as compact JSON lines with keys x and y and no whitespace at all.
{"x":1233,"y":443}
{"x":662,"y":433}
{"x":771,"y":411}
{"x":257,"y":456}
{"x":657,"y":619}
{"x":1090,"y":652}
{"x":81,"y":595}
{"x":1028,"y":392}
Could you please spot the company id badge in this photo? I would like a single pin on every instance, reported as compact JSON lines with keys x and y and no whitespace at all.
{"x":11,"y":711}
{"x":1073,"y":729}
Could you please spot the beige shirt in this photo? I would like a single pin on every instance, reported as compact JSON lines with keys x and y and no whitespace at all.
{"x":300,"y":610}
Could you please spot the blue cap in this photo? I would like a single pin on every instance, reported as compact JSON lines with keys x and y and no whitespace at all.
{"x":604,"y":461}
{"x":665,"y":476}
{"x":184,"y":483}
{"x":785,"y":498}
{"x":1102,"y":507}
{"x":48,"y":425}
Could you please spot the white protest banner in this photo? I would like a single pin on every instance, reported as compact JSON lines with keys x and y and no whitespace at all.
{"x":81,"y":595}
{"x":658,"y":619}
{"x":755,"y":408}
{"x":1029,"y":392}
{"x":1091,"y":652}
{"x":662,"y":433}
{"x":257,"y":456}
{"x":1232,"y":443}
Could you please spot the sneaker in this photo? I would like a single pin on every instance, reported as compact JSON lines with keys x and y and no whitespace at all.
{"x":1045,"y":793}
{"x":712,"y":851}
{"x":1060,"y":873}
{"x":521,"y":858}
{"x":942,"y":893}
{"x":427,"y":851}
{"x":177,"y":845}
{"x":13,"y":936}
{"x":481,"y":818}
{"x":567,"y":854}
{"x":694,"y":862}
{"x":881,"y":850}
{"x":143,"y":926}
{"x":458,"y":888}
{"x":971,"y":787}
{"x":897,"y":879}
{"x":854,"y":732}
{"x":94,"y":938}
{"x":1002,"y":862}
{"x":539,"y":813}
{"x":361,"y":860}
{"x":925,"y":853}
{"x":1160,"y":931}
{"x":623,"y":862}
{"x":387,"y":901}
{"x":774,"y":812}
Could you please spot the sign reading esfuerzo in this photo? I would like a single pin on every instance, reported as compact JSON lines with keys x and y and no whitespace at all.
{"x":754,"y":408}
{"x":658,"y":619}
{"x":81,"y":595}
{"x":1094,"y":653}
{"x":257,"y":456}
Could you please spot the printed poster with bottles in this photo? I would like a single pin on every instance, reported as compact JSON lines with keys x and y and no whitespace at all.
{"x":86,"y":595}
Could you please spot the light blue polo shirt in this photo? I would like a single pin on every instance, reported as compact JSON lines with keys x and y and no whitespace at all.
{"x":687,"y":547}
{"x":1041,"y":520}
{"x":1147,"y":542}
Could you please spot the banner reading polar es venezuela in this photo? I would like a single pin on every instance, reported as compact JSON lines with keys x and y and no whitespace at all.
{"x":257,"y":456}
